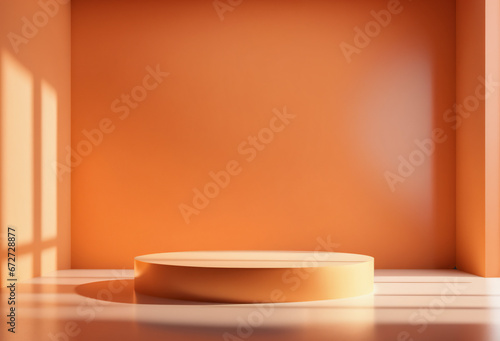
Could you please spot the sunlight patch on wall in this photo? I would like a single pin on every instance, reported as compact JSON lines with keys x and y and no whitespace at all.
{"x":24,"y":265}
{"x":48,"y":157}
{"x":49,"y":260}
{"x":17,"y":154}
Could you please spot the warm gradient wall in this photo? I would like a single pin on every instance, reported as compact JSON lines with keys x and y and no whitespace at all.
{"x":470,"y":139}
{"x":34,"y":131}
{"x":144,"y":142}
{"x":478,"y":138}
{"x":492,"y":135}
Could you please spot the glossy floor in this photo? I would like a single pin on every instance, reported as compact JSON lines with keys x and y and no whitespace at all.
{"x":406,"y":305}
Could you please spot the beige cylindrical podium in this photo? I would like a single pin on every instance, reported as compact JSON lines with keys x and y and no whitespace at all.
{"x":254,"y":276}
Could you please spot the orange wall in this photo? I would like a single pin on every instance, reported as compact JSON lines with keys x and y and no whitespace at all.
{"x":323,"y":174}
{"x":478,"y":139}
{"x":34,"y":130}
{"x":492,"y":138}
{"x":470,"y":139}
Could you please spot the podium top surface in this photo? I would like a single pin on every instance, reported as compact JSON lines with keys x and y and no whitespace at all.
{"x":254,"y":259}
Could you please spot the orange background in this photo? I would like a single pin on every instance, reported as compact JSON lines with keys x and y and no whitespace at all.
{"x":323,"y":175}
{"x":478,"y":142}
{"x":470,"y":140}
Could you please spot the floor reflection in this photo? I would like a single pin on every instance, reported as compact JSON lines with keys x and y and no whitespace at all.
{"x":104,"y":306}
